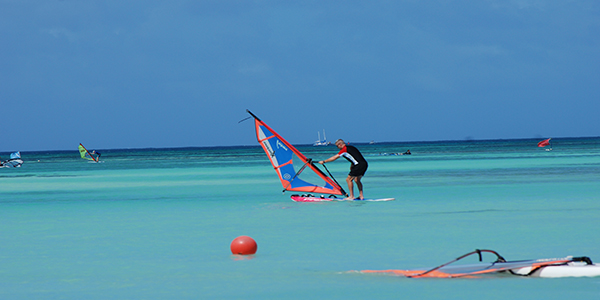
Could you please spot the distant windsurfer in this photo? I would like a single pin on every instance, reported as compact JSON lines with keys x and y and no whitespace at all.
{"x":357,"y":169}
{"x":97,"y":153}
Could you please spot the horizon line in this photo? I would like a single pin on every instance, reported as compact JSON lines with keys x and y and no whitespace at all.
{"x":310,"y":144}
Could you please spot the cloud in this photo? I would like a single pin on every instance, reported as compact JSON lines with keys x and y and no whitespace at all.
{"x":254,"y":68}
{"x":59,"y":33}
{"x":481,"y":50}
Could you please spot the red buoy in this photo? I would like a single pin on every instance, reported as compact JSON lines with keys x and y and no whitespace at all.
{"x":243,"y":245}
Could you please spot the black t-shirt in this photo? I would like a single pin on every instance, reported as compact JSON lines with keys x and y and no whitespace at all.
{"x":352,"y":155}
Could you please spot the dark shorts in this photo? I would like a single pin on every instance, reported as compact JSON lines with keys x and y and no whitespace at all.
{"x":358,"y":170}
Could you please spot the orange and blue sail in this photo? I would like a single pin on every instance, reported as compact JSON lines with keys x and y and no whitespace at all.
{"x":281,"y":154}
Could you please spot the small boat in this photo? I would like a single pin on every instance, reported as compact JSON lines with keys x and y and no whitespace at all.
{"x":85,"y":154}
{"x":321,"y":142}
{"x":545,"y":143}
{"x":15,"y":161}
{"x":548,"y":268}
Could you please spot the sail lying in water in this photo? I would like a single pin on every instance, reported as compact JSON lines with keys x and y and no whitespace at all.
{"x":281,"y":154}
{"x":553,"y":267}
{"x":15,"y":161}
{"x":85,"y":154}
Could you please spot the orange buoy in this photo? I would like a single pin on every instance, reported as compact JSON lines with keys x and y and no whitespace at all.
{"x":243,"y":245}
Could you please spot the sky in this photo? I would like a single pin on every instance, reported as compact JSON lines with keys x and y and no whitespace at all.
{"x":158,"y":74}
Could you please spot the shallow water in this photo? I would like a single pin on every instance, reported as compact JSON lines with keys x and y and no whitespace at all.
{"x":157,"y":223}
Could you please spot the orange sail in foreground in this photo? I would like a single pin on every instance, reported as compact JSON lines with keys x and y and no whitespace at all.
{"x":557,"y":267}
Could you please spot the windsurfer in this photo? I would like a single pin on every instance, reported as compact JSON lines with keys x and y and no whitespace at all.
{"x":357,"y":169}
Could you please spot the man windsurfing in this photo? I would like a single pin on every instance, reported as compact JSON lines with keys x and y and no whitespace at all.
{"x":357,"y":169}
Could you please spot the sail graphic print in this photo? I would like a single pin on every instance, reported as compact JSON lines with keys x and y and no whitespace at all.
{"x":281,"y":154}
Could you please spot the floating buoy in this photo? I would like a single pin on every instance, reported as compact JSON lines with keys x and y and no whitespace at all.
{"x":243,"y":245}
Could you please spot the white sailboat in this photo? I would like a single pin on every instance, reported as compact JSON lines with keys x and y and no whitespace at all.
{"x":322,"y":142}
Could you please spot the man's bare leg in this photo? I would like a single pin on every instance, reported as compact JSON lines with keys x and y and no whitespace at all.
{"x":350,"y":187}
{"x":359,"y":185}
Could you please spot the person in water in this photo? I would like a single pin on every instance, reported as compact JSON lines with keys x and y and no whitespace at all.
{"x":357,"y":169}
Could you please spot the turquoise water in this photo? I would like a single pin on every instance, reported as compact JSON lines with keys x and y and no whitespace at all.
{"x":157,"y":223}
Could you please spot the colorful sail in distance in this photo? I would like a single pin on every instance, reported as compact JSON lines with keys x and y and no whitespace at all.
{"x":281,"y":154}
{"x":86,"y":154}
{"x":544,"y":143}
{"x":15,"y":161}
{"x":15,"y":155}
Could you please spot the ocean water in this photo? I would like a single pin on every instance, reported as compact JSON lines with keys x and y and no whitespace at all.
{"x":158,"y":223}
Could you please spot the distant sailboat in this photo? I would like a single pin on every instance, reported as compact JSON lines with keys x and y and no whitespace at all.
{"x":545,"y":143}
{"x":322,"y":142}
{"x":15,"y":161}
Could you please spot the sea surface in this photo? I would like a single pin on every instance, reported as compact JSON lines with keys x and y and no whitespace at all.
{"x":158,"y":223}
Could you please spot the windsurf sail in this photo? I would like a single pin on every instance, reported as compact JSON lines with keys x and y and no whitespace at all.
{"x":85,"y":154}
{"x":281,"y":154}
{"x":544,"y":143}
{"x":498,"y":266}
{"x":15,"y":161}
{"x":15,"y":155}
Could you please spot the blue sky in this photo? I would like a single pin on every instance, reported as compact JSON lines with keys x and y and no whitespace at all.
{"x":135,"y":74}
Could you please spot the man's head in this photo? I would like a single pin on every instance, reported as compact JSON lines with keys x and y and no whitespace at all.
{"x":340,"y":143}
